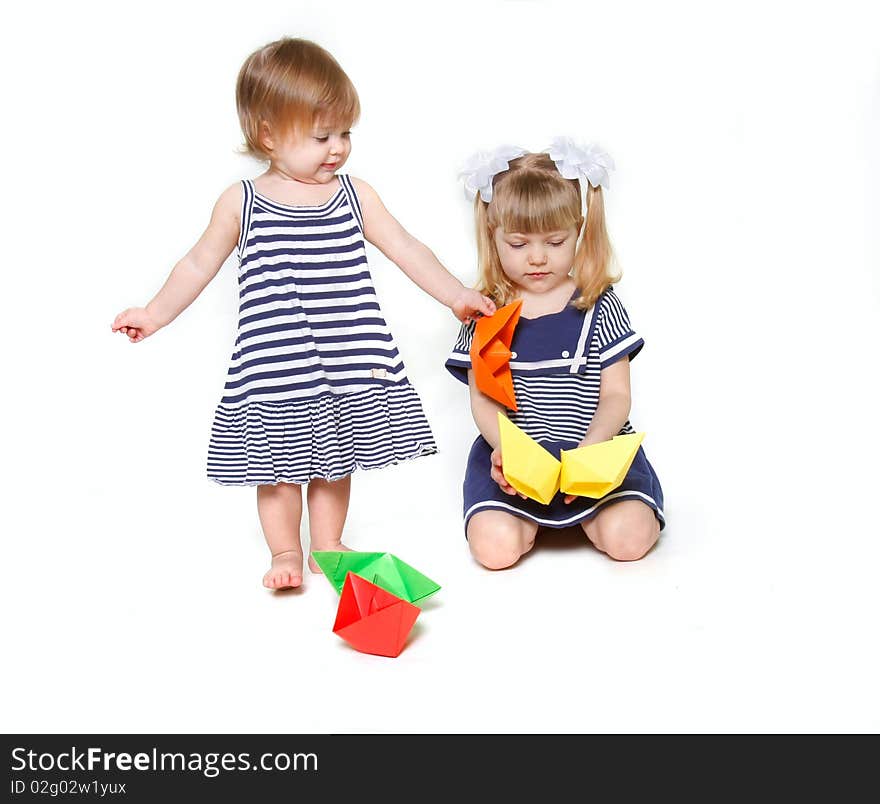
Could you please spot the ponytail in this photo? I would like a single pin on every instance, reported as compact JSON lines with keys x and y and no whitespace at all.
{"x":492,"y":282}
{"x":592,"y":268}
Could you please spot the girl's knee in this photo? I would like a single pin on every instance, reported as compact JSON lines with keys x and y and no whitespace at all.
{"x":496,"y":545}
{"x":629,"y":543}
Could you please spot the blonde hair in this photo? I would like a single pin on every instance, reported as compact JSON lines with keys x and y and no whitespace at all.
{"x":290,"y":85}
{"x":532,"y":197}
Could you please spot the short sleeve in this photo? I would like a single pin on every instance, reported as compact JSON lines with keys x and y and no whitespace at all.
{"x":615,"y":336}
{"x":459,"y":361}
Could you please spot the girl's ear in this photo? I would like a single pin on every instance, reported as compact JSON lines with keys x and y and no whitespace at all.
{"x":265,"y":138}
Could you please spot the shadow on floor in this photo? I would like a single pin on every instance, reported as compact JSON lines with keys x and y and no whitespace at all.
{"x":559,"y":540}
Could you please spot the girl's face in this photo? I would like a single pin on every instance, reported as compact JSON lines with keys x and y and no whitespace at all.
{"x":536,"y":262}
{"x":312,"y":158}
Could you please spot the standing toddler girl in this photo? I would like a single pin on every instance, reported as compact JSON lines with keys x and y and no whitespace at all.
{"x":316,"y":387}
{"x":571,"y":351}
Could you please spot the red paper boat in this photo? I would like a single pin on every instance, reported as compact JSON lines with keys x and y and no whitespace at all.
{"x":490,"y":354}
{"x":372,"y":620}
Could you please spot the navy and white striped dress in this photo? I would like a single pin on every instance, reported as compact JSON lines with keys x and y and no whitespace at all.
{"x":316,"y":387}
{"x":556,"y":365}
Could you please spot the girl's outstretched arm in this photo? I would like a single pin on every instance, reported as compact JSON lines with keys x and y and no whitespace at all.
{"x":485,"y":411}
{"x":416,"y":260}
{"x":190,"y":276}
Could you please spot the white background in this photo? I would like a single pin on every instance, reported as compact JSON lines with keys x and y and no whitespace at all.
{"x":744,"y":212}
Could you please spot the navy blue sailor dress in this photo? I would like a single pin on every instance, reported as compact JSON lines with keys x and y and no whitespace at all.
{"x":556,"y":364}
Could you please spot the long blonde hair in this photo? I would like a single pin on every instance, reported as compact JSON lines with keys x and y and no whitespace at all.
{"x":532,"y":197}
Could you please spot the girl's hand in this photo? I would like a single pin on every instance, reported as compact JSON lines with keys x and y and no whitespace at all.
{"x":497,"y":474}
{"x":583,"y":443}
{"x":470,"y":305}
{"x":135,"y":323}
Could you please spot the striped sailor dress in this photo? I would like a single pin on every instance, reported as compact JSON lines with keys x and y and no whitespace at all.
{"x":316,"y":386}
{"x":556,"y":365}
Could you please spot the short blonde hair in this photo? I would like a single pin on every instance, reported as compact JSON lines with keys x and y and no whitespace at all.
{"x":290,"y":85}
{"x":532,"y":197}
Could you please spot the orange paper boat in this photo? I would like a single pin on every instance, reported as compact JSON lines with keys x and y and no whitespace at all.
{"x":490,"y":354}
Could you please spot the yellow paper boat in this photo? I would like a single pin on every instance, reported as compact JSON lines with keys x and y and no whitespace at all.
{"x":591,"y":471}
{"x":528,"y":467}
{"x":598,"y":469}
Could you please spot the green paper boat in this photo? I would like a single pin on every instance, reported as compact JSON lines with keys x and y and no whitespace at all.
{"x":383,"y":569}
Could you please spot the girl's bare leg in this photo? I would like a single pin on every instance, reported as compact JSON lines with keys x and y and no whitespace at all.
{"x":498,"y":540}
{"x":328,"y":507}
{"x":625,"y":531}
{"x":280,"y":509}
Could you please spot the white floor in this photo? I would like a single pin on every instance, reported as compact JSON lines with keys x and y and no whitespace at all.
{"x":744,"y":211}
{"x":133,"y":604}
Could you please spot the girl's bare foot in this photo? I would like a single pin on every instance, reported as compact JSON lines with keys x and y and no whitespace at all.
{"x":338,"y":547}
{"x":286,"y":571}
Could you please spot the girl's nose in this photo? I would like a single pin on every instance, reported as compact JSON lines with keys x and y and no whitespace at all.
{"x":537,"y":257}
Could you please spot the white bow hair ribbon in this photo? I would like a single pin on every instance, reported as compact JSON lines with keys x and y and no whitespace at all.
{"x":574,"y":160}
{"x":480,"y":168}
